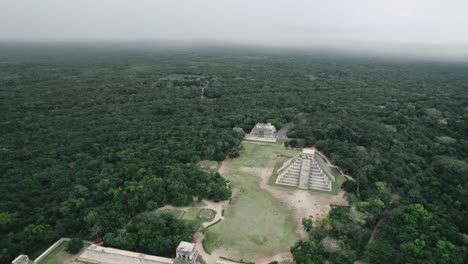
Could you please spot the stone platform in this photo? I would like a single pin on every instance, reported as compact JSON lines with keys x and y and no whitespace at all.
{"x":306,"y":172}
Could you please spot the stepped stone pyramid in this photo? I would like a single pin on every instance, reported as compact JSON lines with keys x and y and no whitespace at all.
{"x":306,"y":172}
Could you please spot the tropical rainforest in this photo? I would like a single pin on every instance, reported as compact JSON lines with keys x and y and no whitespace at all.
{"x":93,"y":138}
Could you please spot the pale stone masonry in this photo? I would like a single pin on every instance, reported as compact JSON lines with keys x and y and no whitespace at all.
{"x":22,"y":259}
{"x":306,"y":172}
{"x":263,"y":132}
{"x":105,"y":255}
{"x":186,"y":253}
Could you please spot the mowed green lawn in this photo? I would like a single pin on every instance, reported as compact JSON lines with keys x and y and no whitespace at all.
{"x":53,"y":257}
{"x":257,"y":155}
{"x":256,"y":222}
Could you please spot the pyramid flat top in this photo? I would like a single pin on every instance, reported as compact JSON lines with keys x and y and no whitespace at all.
{"x":308,"y":151}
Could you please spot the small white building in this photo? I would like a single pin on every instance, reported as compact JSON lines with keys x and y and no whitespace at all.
{"x":186,"y":253}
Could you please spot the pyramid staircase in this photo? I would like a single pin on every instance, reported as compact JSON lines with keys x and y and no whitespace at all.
{"x":304,"y":172}
{"x":291,"y":177}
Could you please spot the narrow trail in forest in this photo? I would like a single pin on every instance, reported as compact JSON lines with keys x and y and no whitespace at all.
{"x":395,"y":198}
{"x":203,"y":90}
{"x":374,"y":231}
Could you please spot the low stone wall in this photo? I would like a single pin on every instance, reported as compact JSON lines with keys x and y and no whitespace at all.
{"x":51,"y":248}
{"x":98,"y":254}
{"x":250,"y":137}
{"x":22,"y":259}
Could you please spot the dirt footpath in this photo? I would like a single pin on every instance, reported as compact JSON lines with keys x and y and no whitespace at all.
{"x":303,"y":204}
{"x":217,"y":206}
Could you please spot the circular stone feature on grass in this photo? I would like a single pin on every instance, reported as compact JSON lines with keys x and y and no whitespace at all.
{"x":206,"y":215}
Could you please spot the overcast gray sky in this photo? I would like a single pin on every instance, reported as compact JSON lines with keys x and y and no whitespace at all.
{"x":266,"y":22}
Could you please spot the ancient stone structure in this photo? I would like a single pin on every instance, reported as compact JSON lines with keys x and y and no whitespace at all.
{"x":98,"y":254}
{"x":185,"y":254}
{"x":306,"y":172}
{"x":22,"y":259}
{"x":263,"y":132}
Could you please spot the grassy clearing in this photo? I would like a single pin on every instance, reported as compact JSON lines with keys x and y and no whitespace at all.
{"x":53,"y":257}
{"x":257,"y":155}
{"x":177,"y":213}
{"x":256,"y":221}
{"x":211,"y":241}
{"x":336,"y":186}
{"x":191,"y":214}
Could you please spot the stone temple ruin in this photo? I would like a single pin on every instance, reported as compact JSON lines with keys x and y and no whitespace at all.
{"x":306,"y":172}
{"x":263,"y":132}
{"x":186,"y":253}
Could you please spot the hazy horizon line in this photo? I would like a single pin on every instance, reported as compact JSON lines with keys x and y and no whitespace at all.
{"x":438,"y":52}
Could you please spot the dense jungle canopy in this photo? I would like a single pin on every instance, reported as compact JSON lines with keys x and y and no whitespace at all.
{"x":92,"y":137}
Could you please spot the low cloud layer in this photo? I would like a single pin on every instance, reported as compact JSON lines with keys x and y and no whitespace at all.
{"x":429,"y":24}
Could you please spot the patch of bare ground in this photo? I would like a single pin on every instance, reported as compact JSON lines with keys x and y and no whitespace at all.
{"x":224,"y":167}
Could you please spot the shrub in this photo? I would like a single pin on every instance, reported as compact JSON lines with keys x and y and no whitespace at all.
{"x":349,"y":186}
{"x":74,"y":245}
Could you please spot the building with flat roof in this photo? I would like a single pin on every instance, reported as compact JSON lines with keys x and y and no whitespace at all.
{"x":186,"y":253}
